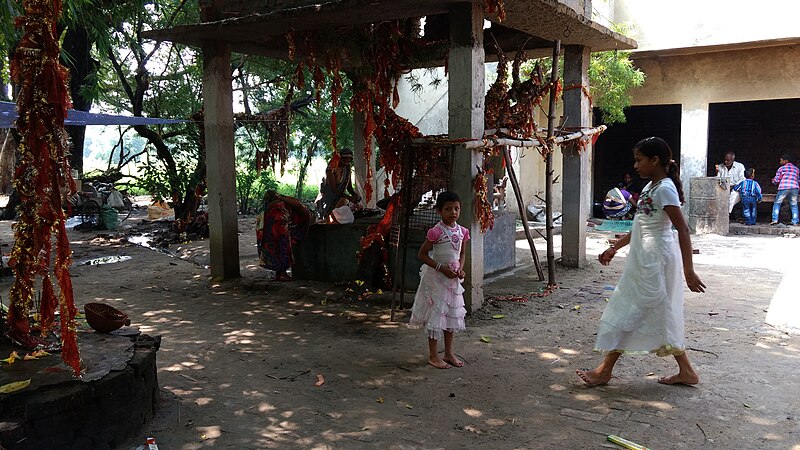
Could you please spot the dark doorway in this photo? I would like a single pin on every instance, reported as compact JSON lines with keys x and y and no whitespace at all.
{"x":613,"y":154}
{"x":757,"y":132}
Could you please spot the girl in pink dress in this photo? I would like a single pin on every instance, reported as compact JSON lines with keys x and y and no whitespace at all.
{"x":439,"y":302}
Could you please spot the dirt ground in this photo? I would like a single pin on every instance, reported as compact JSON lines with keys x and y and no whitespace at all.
{"x":239,"y":360}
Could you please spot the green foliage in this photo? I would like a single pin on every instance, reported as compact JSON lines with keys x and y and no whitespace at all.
{"x":250,"y":183}
{"x":612,"y":76}
{"x":251,"y":186}
{"x":308,"y":194}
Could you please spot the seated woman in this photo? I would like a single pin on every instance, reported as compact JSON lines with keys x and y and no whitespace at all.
{"x":283,"y":224}
{"x":337,"y":188}
{"x":633,"y":185}
{"x":617,"y":204}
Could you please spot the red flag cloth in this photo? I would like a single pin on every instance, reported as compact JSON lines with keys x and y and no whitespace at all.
{"x":42,"y":173}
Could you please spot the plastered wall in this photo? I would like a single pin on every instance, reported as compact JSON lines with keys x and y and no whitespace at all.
{"x":696,"y":80}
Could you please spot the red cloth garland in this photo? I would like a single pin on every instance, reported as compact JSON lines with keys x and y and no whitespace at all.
{"x":42,"y":176}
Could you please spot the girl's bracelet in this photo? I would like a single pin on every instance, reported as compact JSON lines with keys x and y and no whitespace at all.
{"x":438,"y":266}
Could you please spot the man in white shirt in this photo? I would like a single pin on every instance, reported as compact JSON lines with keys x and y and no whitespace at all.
{"x":734,"y":172}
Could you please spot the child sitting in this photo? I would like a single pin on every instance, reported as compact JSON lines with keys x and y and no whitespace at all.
{"x":750,"y":191}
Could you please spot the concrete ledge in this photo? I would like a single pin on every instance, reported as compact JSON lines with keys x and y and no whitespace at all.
{"x":738,"y":228}
{"x":99,"y":414}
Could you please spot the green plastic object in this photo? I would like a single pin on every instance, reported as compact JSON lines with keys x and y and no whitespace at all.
{"x":109,"y":218}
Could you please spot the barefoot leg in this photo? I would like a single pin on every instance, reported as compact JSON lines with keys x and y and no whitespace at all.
{"x":281,"y":275}
{"x":601,"y":374}
{"x":433,"y":355}
{"x":449,"y":356}
{"x":686,"y":374}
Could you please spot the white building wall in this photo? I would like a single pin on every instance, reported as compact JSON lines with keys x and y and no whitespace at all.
{"x":697,"y":80}
{"x":428,"y":111}
{"x":689,"y":23}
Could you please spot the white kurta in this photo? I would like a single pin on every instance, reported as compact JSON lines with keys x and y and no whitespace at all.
{"x":645,"y":312}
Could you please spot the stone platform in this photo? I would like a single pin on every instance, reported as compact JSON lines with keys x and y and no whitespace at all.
{"x":764,"y":228}
{"x":115,"y":397}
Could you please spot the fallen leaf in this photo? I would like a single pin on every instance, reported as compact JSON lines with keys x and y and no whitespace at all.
{"x":320,"y":380}
{"x":746,"y":405}
{"x":29,"y":357}
{"x":498,"y":316}
{"x":379,"y":400}
{"x":576,"y":307}
{"x":15,"y":386}
{"x":409,"y":406}
{"x":650,"y":374}
{"x":40,"y":353}
{"x":485,"y":339}
{"x":11,"y":358}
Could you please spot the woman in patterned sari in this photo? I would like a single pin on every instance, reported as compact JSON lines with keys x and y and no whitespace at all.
{"x":283,"y":224}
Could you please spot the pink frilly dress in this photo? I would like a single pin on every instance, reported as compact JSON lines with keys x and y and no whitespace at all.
{"x":439,"y":302}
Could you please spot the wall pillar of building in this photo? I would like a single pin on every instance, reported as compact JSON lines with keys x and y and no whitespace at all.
{"x":577,"y":175}
{"x":220,"y":162}
{"x":466,"y":108}
{"x":694,"y":145}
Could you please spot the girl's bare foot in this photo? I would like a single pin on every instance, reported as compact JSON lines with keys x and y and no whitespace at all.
{"x":688,"y":379}
{"x":594,"y":377}
{"x":438,"y":363}
{"x":453,"y":360}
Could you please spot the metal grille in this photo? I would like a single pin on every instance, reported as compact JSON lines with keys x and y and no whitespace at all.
{"x":429,"y":175}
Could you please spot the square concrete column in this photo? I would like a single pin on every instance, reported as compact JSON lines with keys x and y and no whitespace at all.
{"x":360,"y":163}
{"x":466,"y":97}
{"x":577,"y":176}
{"x":694,"y":145}
{"x":220,"y":162}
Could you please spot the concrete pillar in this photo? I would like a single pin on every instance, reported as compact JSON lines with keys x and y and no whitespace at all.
{"x":694,"y":145}
{"x":465,"y":103}
{"x":360,"y":164}
{"x":576,"y":176}
{"x":220,"y":162}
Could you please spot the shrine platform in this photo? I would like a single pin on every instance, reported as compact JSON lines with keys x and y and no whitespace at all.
{"x":114,"y":398}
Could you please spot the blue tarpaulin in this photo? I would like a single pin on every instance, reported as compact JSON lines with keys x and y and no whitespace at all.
{"x":8,"y":114}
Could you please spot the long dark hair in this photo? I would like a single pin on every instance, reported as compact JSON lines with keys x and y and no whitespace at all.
{"x":655,"y":146}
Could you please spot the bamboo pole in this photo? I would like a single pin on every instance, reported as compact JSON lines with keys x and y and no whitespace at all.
{"x":548,"y":193}
{"x":491,"y":141}
{"x":522,"y":212}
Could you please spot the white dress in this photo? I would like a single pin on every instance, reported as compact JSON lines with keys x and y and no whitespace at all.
{"x":439,"y":301}
{"x":645,"y":312}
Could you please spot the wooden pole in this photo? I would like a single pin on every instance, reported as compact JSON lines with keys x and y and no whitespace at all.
{"x":402,"y":245}
{"x":548,"y":188}
{"x":522,"y":212}
{"x":489,"y":141}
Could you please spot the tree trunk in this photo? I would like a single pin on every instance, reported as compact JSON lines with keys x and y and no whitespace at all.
{"x":301,"y":177}
{"x":8,"y":151}
{"x":3,"y":88}
{"x":78,"y":45}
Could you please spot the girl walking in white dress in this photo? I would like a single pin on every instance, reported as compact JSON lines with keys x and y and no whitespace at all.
{"x":645,"y":312}
{"x":439,"y":302}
